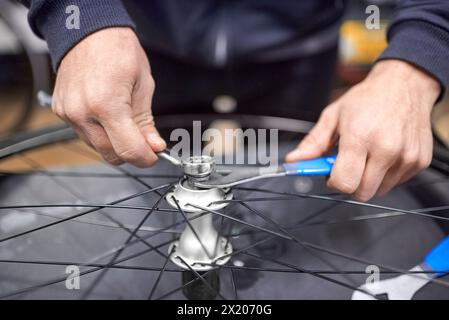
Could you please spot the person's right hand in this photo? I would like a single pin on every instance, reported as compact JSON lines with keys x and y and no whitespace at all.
{"x":104,"y":90}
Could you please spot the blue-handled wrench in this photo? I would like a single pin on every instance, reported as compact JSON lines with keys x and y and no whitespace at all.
{"x":404,"y":287}
{"x":230,"y":175}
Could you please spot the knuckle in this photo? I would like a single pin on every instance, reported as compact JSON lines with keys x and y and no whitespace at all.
{"x":129,"y":155}
{"x":326,"y":115}
{"x":342,"y":186}
{"x":410,"y":159}
{"x":387,"y":148}
{"x":97,"y":105}
{"x":424,"y":162}
{"x":74,"y":115}
{"x":112,"y":159}
{"x":144,"y":119}
{"x":151,"y":84}
{"x":362,"y":196}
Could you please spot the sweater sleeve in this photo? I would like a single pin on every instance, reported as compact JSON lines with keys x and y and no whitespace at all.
{"x":48,"y":19}
{"x":419,"y":34}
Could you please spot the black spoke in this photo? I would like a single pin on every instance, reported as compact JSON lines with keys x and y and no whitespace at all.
{"x":317,"y":275}
{"x":86,"y":205}
{"x":294,"y":238}
{"x":332,"y":252}
{"x":198,"y":276}
{"x":185,"y":285}
{"x":62,"y":279}
{"x":234,"y":286}
{"x":111,"y":252}
{"x":320,"y":271}
{"x":203,"y":246}
{"x":353,"y":202}
{"x":119,"y":252}
{"x":280,"y":235}
{"x":74,"y":174}
{"x":126,"y":173}
{"x":73,"y":263}
{"x":159,"y":276}
{"x":80,"y":214}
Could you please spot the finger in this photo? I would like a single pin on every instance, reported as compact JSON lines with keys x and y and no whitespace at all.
{"x":349,"y":166}
{"x":320,"y":139}
{"x":81,"y":134}
{"x":373,"y":176}
{"x":98,"y":140}
{"x":406,"y":167}
{"x":141,"y":104}
{"x":425,"y":155}
{"x":127,"y":140}
{"x":392,"y":178}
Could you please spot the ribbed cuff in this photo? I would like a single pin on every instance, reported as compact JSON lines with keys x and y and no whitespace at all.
{"x":50,"y":22}
{"x":422,"y":44}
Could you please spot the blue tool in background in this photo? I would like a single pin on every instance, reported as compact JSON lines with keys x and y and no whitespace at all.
{"x":404,"y":287}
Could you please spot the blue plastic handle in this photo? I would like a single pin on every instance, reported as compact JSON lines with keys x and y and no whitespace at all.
{"x":314,"y":167}
{"x":438,"y":258}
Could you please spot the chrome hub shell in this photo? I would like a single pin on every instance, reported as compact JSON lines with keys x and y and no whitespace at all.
{"x":199,"y":246}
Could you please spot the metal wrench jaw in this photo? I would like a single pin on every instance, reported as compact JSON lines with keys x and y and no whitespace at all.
{"x":230,"y":176}
{"x":403,"y":287}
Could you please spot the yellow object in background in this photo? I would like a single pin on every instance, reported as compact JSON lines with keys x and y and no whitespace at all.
{"x":360,"y":45}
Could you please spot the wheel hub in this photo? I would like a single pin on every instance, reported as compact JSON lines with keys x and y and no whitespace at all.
{"x":199,"y":246}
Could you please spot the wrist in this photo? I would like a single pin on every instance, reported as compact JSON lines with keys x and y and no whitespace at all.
{"x":420,"y":84}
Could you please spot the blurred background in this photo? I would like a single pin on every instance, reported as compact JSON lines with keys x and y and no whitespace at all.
{"x":25,"y":67}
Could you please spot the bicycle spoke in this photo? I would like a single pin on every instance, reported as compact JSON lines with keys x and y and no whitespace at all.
{"x":256,"y":199}
{"x":332,"y":252}
{"x":126,"y":173}
{"x":368,"y":217}
{"x":74,"y":174}
{"x":295,"y":240}
{"x":198,"y":276}
{"x":203,"y":246}
{"x":185,"y":285}
{"x":73,"y":263}
{"x":356,"y":203}
{"x":80,"y":214}
{"x":365,"y":261}
{"x":317,"y":275}
{"x":234,"y":286}
{"x":280,"y":235}
{"x":104,"y":223}
{"x":62,"y":279}
{"x":113,"y":251}
{"x":320,"y":271}
{"x":87,"y":205}
{"x":118,"y":253}
{"x":159,"y":276}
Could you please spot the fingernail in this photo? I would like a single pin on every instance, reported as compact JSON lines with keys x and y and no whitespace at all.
{"x":155,"y":139}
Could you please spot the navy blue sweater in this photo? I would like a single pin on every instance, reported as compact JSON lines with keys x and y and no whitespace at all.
{"x":221,"y":32}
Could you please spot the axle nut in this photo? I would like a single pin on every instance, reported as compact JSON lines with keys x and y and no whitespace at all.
{"x":198,"y":167}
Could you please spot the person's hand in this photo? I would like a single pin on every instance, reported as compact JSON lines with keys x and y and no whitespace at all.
{"x":104,"y":90}
{"x":383,"y":130}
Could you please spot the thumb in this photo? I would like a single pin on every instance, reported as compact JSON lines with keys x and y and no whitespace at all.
{"x":142,"y":95}
{"x":320,"y":139}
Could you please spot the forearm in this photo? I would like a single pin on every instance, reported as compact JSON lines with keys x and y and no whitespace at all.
{"x":48,"y":20}
{"x":419,"y":34}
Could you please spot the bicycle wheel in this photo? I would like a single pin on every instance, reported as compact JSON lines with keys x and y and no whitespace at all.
{"x":281,"y":238}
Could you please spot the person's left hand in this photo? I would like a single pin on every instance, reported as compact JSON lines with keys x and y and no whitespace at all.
{"x":383,"y":130}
